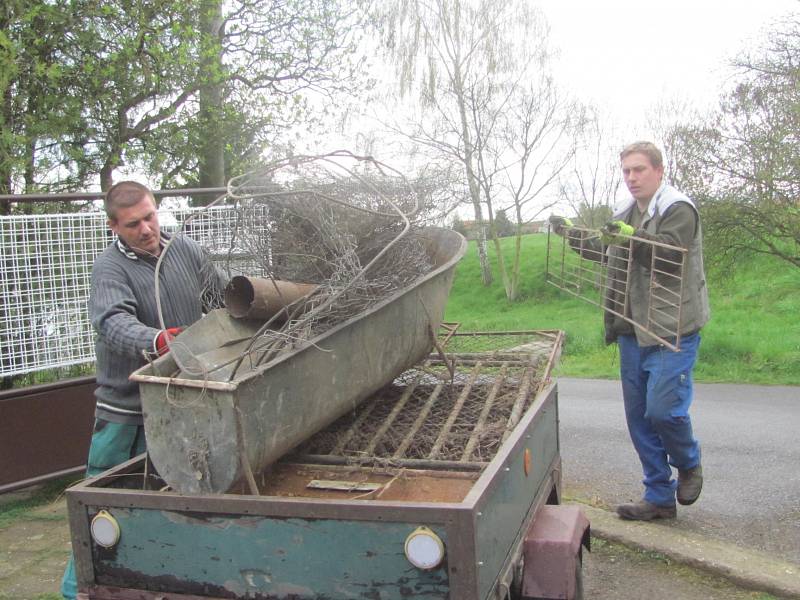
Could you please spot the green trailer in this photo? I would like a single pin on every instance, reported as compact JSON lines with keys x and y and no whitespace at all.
{"x":444,"y":484}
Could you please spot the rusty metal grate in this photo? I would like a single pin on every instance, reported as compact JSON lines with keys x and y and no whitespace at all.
{"x":432,"y":417}
{"x":578,"y":264}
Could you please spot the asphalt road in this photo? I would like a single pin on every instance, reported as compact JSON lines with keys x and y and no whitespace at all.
{"x":751,"y":459}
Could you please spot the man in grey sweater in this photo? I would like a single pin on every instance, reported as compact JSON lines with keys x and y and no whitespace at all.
{"x":123,"y":309}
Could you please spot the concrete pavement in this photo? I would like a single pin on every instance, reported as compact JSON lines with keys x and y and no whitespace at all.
{"x":751,"y":569}
{"x":746,"y":525}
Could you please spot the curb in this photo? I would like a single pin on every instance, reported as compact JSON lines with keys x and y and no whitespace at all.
{"x":750,"y":569}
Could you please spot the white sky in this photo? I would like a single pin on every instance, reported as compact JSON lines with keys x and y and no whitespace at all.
{"x":625,"y":55}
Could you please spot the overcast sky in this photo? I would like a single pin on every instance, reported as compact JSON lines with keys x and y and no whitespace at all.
{"x":624,"y":55}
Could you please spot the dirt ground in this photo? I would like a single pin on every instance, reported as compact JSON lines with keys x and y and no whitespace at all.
{"x":34,"y":546}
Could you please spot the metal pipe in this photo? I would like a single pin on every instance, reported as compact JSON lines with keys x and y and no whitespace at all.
{"x":258,"y":298}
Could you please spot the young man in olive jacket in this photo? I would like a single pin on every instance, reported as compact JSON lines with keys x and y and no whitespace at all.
{"x":656,"y":381}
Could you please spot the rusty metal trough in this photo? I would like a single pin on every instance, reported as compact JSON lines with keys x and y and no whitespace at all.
{"x":205,"y":436}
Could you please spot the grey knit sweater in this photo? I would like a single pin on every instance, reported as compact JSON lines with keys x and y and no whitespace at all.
{"x":123,"y":312}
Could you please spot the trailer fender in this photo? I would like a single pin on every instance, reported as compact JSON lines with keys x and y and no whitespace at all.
{"x":552,"y":552}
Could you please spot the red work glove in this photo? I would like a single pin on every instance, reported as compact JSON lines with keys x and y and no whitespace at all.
{"x":164,"y":337}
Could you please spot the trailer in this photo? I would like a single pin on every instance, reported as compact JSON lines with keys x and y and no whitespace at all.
{"x":444,"y":484}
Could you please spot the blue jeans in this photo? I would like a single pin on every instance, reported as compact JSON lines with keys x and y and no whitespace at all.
{"x":112,"y":444}
{"x":657,"y":390}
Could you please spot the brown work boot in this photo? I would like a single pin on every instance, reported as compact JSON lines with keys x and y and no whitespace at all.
{"x":645,"y":511}
{"x":690,"y":482}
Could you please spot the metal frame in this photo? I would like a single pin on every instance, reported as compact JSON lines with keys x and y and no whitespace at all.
{"x":573,"y":282}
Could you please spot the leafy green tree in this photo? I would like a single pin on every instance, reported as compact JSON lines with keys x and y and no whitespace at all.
{"x":264,"y":62}
{"x":37,"y":114}
{"x":189,"y":90}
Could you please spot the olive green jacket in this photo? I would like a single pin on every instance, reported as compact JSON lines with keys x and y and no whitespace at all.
{"x":675,"y":298}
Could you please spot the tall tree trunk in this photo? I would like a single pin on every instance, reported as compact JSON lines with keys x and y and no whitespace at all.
{"x":212,"y":140}
{"x":107,"y":170}
{"x":472,"y":180}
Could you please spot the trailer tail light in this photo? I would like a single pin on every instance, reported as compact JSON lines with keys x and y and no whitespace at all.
{"x":105,"y":529}
{"x":424,"y":549}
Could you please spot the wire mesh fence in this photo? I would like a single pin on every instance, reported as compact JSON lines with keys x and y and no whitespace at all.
{"x":580,"y":264}
{"x":46,"y":263}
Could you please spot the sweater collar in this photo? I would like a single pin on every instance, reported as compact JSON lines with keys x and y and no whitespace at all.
{"x":130,"y":253}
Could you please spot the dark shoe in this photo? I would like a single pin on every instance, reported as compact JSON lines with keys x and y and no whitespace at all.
{"x":690,"y":482}
{"x":644,"y":511}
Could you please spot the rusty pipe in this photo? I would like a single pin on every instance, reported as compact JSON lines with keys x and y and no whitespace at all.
{"x":258,"y":298}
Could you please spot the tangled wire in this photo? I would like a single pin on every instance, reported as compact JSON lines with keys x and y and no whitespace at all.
{"x":341,"y":222}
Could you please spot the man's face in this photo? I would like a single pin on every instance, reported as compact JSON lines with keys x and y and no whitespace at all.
{"x":641,"y":177}
{"x":137,"y":226}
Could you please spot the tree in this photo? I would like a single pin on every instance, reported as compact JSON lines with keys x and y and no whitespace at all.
{"x":187,"y":90}
{"x":445,"y":50}
{"x":503,"y":227}
{"x":263,"y":59}
{"x":36,"y":115}
{"x":533,"y":146}
{"x":468,"y":62}
{"x":744,"y":164}
{"x":591,"y":184}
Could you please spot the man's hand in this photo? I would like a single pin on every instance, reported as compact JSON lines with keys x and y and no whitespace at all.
{"x":163,"y":339}
{"x":616,"y":233}
{"x":560,"y":224}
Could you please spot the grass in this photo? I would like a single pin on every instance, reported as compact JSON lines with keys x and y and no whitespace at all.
{"x":753,"y":335}
{"x":17,"y":508}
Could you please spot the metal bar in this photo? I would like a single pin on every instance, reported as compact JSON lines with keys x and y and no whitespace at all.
{"x":423,"y":415}
{"x":551,"y":362}
{"x":71,"y":196}
{"x":392,"y":415}
{"x":450,"y":330}
{"x":351,"y":431}
{"x":680,"y":303}
{"x":451,"y":418}
{"x":411,"y":463}
{"x":499,"y":362}
{"x":487,"y":407}
{"x":519,"y":403}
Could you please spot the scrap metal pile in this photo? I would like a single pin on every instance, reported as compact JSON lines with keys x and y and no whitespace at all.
{"x":321,"y":239}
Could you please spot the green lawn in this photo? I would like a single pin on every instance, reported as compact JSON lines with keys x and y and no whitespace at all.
{"x":753,"y":336}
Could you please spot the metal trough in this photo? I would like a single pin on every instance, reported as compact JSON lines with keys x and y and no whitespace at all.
{"x":205,"y":436}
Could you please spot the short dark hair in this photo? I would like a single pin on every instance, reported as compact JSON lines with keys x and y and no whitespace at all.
{"x":649,"y":149}
{"x":124,"y":194}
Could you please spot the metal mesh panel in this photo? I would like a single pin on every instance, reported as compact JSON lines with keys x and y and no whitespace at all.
{"x":46,"y":264}
{"x":455,"y":408}
{"x":579,"y":264}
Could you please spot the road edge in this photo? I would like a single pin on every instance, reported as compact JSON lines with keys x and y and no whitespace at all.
{"x":750,"y":569}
